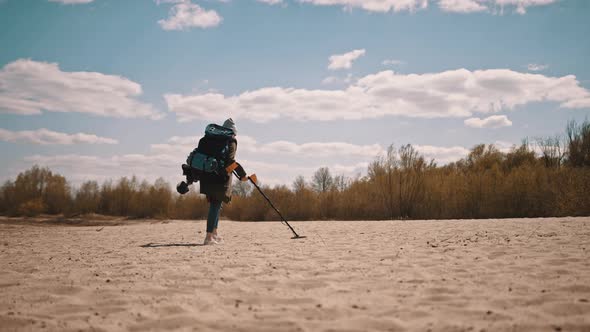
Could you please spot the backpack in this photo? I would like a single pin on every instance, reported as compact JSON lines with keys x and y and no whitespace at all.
{"x":212,"y":152}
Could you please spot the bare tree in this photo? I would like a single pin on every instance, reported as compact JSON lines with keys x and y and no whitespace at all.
{"x":322,"y":180}
{"x":241,"y":189}
{"x":411,"y":179}
{"x":299,"y":184}
{"x":487,"y":183}
{"x":341,"y":182}
{"x":38,"y":190}
{"x":160,"y":198}
{"x":519,"y":156}
{"x":390,"y":164}
{"x":552,"y":150}
{"x":578,"y":137}
{"x":88,"y":197}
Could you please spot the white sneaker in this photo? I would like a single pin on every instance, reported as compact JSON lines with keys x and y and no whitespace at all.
{"x":210,"y":242}
{"x":218,"y":239}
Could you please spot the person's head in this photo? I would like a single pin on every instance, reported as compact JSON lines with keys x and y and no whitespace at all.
{"x":230,"y":124}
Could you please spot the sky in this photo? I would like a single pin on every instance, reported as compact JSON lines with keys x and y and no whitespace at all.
{"x":101,"y":89}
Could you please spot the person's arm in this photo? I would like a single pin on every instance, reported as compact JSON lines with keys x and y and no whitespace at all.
{"x":233,"y":165}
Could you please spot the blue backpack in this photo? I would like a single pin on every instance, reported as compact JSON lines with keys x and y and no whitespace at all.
{"x":209,"y":158}
{"x":212,"y":152}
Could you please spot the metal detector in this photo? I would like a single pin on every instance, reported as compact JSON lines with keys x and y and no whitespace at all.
{"x":283,"y":220}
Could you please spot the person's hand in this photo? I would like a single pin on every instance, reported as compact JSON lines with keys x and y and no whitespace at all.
{"x":253,"y":178}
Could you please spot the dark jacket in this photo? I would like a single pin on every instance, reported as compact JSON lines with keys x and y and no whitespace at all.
{"x":219,"y":186}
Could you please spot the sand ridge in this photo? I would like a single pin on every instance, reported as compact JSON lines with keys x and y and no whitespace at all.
{"x":452,"y":275}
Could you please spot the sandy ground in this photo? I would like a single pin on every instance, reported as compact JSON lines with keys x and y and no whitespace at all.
{"x":470,"y":275}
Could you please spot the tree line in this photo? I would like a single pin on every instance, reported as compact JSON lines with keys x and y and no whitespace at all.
{"x":548,"y":177}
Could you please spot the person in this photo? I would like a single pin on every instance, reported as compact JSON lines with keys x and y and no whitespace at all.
{"x":213,"y":164}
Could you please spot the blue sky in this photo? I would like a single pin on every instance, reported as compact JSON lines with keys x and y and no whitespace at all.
{"x":102,"y":89}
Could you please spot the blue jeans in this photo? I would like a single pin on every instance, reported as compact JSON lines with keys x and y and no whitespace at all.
{"x":213,"y":217}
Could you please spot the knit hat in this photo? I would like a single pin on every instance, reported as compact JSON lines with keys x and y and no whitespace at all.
{"x":230,"y":124}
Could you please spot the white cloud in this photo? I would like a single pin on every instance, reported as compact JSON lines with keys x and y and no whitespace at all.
{"x":331,"y":154}
{"x":494,"y":121}
{"x":578,"y":103}
{"x":79,"y":168}
{"x":536,"y":67}
{"x":28,"y":87}
{"x":462,"y":6}
{"x":72,"y":2}
{"x":493,"y":6}
{"x":521,"y":5}
{"x":45,"y":137}
{"x":456,"y":6}
{"x":182,"y":145}
{"x":344,"y":61}
{"x":382,"y":6}
{"x":349,"y":78}
{"x":504,"y":146}
{"x":318,"y":149}
{"x":185,"y":15}
{"x":330,"y":80}
{"x":392,"y":62}
{"x":271,"y":2}
{"x":455,"y":93}
{"x":442,"y":154}
{"x":277,"y":162}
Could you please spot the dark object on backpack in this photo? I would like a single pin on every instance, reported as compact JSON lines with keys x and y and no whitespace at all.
{"x":191,"y":177}
{"x":182,"y":188}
